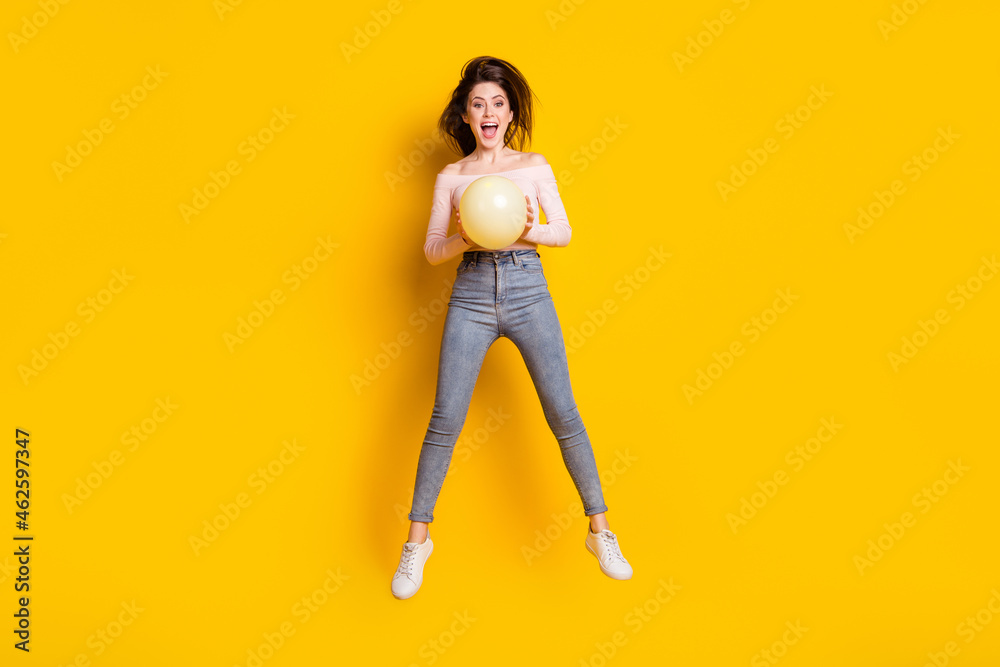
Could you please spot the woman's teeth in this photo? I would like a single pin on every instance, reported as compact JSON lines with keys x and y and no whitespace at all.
{"x":489,"y":130}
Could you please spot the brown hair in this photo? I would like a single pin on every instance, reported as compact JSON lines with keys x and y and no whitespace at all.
{"x":457,"y":134}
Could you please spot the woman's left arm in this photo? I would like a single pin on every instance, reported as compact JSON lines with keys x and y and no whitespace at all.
{"x":556,"y":232}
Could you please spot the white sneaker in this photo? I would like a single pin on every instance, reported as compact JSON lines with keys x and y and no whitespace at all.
{"x":410,"y":573}
{"x":604,"y":545}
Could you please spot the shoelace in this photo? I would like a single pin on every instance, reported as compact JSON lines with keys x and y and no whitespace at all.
{"x":611,"y":542}
{"x":406,"y":562}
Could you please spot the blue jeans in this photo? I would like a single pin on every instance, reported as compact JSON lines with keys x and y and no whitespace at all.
{"x":502,"y":293}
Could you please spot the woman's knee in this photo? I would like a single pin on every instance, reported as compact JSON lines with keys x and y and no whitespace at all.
{"x":565,"y":420}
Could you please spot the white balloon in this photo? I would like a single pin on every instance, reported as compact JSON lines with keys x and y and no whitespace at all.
{"x":493,"y":211}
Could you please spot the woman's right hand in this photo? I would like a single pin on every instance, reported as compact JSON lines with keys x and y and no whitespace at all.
{"x":461,"y":232}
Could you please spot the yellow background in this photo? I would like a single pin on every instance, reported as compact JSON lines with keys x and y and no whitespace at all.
{"x":340,"y":504}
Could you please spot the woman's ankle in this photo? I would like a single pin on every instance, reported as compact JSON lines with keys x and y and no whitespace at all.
{"x":597,"y":525}
{"x":417,"y":533}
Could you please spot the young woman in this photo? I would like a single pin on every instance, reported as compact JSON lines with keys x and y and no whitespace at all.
{"x":498,"y":293}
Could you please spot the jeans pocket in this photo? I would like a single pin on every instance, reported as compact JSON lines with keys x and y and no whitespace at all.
{"x":464,"y":266}
{"x":531,"y":264}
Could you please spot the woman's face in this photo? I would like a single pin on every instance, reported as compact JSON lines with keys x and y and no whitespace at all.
{"x":488,"y":113}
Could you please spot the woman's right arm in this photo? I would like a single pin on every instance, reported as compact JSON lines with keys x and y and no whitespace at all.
{"x":438,"y":246}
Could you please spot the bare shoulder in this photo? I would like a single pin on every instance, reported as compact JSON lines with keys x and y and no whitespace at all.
{"x":534,"y":159}
{"x":453,"y":168}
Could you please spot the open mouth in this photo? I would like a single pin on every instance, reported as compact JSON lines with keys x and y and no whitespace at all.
{"x":489,"y":129}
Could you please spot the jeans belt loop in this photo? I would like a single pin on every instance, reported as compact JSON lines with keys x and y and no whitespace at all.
{"x":517,"y":260}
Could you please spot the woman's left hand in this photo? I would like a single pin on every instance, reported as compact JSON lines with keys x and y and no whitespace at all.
{"x":530,"y":224}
